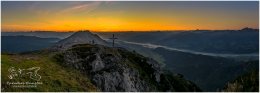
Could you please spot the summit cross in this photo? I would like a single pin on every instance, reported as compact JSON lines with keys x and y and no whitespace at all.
{"x":113,"y":38}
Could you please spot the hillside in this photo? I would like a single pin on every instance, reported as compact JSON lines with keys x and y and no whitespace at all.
{"x":116,"y":69}
{"x":86,"y":67}
{"x":208,"y":72}
{"x":248,"y":82}
{"x":53,"y":76}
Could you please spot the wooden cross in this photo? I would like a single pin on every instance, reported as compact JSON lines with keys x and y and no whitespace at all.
{"x":113,"y":38}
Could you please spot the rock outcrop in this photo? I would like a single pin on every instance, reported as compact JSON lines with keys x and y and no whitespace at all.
{"x":248,"y":82}
{"x":116,"y":69}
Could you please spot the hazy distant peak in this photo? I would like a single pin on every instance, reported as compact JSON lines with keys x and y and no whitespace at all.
{"x":248,"y":29}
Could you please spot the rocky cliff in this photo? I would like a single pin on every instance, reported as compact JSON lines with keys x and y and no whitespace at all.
{"x":116,"y":69}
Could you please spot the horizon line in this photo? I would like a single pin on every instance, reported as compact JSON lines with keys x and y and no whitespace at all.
{"x":135,"y":30}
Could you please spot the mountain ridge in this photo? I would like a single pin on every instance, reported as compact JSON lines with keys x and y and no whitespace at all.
{"x":80,"y":37}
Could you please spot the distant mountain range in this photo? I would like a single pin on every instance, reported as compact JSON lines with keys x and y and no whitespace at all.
{"x":16,"y":44}
{"x":244,"y":41}
{"x":42,"y":34}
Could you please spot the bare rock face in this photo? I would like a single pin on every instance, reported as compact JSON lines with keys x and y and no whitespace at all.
{"x":114,"y":69}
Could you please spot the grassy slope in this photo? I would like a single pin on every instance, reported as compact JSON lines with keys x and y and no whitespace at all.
{"x":53,"y":76}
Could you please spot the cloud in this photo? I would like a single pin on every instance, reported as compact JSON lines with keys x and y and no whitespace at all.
{"x":86,"y":7}
{"x":33,"y":6}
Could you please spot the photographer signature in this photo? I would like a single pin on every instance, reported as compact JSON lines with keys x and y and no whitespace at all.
{"x":31,"y":72}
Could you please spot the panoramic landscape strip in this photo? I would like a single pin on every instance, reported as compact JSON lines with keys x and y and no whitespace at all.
{"x":129,"y":46}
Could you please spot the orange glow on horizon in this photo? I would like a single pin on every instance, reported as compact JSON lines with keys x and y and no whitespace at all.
{"x":127,"y":16}
{"x":106,"y":25}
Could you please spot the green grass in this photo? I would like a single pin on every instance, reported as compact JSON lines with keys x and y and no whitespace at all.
{"x":53,"y":76}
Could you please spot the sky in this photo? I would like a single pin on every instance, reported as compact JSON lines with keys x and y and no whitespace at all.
{"x":127,"y":15}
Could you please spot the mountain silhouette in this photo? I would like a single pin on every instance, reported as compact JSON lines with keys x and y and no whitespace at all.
{"x":80,"y":37}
